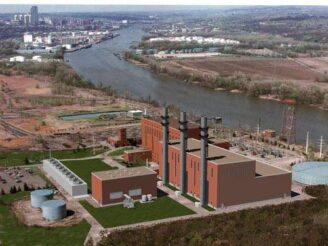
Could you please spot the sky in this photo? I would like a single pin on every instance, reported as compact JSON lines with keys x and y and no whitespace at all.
{"x":171,"y":2}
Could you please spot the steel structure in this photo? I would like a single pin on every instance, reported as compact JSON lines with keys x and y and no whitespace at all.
{"x":288,"y":132}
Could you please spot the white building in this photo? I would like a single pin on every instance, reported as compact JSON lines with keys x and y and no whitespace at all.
{"x":17,"y":59}
{"x":67,"y":179}
{"x":37,"y":59}
{"x":28,"y":37}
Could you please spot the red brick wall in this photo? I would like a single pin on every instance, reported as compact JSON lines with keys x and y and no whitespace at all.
{"x":96,"y":186}
{"x":152,"y":134}
{"x":146,"y":182}
{"x":130,"y":156}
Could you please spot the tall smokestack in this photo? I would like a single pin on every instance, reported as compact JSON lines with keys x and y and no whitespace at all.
{"x":183,"y":150}
{"x":165,"y":124}
{"x":203,"y":161}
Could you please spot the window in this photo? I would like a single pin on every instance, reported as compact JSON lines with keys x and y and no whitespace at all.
{"x":135,"y":192}
{"x":115,"y":195}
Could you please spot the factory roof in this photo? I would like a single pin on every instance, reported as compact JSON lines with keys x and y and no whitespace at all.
{"x":216,"y":154}
{"x":221,"y":156}
{"x":267,"y":170}
{"x":137,"y":150}
{"x":123,"y":173}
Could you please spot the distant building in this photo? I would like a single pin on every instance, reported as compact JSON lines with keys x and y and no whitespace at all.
{"x":27,"y":19}
{"x":37,"y":58}
{"x":17,"y":59}
{"x":28,"y":38}
{"x":34,"y":15}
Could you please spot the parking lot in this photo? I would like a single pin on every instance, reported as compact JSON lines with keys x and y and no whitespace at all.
{"x":18,"y":176}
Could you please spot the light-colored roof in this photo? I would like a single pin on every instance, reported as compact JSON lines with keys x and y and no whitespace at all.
{"x":268,"y":170}
{"x":123,"y":173}
{"x":137,"y":150}
{"x":216,"y":154}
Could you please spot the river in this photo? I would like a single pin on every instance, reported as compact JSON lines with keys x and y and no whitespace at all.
{"x":100,"y":64}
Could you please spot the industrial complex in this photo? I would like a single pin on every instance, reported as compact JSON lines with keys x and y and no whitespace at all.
{"x":212,"y":174}
{"x":187,"y":160}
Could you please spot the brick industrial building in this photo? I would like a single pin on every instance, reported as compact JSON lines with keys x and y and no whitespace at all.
{"x":109,"y":187}
{"x":212,"y":174}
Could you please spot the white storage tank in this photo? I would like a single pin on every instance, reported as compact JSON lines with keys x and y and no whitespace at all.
{"x":40,"y":196}
{"x":54,"y":210}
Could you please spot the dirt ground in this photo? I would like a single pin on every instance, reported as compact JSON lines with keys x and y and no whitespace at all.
{"x":16,"y":142}
{"x":261,"y":67}
{"x":317,"y":64}
{"x":30,"y":111}
{"x":33,"y":216}
{"x":27,"y":86}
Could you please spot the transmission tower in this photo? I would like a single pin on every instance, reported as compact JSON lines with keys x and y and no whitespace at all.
{"x":288,"y":131}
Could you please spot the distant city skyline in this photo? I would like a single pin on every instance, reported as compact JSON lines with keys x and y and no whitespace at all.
{"x":169,"y":2}
{"x":73,"y":6}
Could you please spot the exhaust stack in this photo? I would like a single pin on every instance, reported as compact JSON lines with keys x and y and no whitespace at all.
{"x":203,"y":161}
{"x":183,"y":149}
{"x":165,"y":124}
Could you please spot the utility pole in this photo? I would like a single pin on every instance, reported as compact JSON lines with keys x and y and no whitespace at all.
{"x":307,"y":143}
{"x":321,"y":147}
{"x":258,"y":129}
{"x":93,"y":140}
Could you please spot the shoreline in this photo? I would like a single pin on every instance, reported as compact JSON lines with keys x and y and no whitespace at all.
{"x":235,"y":91}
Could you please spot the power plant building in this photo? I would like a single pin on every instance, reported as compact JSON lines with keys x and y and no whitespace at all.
{"x":66,"y":178}
{"x":214,"y":175}
{"x":109,"y":187}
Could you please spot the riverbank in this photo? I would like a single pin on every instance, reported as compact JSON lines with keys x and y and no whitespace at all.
{"x":203,"y":73}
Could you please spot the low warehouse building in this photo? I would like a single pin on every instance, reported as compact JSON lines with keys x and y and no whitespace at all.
{"x":67,"y":179}
{"x":54,"y":210}
{"x":135,"y":155}
{"x":109,"y":187}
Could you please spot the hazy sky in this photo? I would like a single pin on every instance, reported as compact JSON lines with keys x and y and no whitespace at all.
{"x":172,"y":2}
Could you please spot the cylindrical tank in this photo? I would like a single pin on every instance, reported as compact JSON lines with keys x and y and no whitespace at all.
{"x":40,"y":196}
{"x":54,"y":209}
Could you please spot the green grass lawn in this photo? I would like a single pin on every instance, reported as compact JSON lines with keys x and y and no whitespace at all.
{"x":15,"y":234}
{"x":162,"y":207}
{"x":189,"y":197}
{"x":20,"y":158}
{"x":119,"y":151}
{"x":84,"y":168}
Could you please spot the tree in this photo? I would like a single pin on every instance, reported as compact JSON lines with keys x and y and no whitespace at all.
{"x":325,"y":100}
{"x":25,"y":188}
{"x":2,"y":192}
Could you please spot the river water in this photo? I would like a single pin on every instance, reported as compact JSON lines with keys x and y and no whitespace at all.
{"x":99,"y":64}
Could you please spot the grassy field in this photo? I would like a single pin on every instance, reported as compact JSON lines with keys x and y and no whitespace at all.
{"x":20,"y":158}
{"x":297,"y":223}
{"x":112,"y":216}
{"x":15,"y":234}
{"x":84,"y":168}
{"x":119,"y":151}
